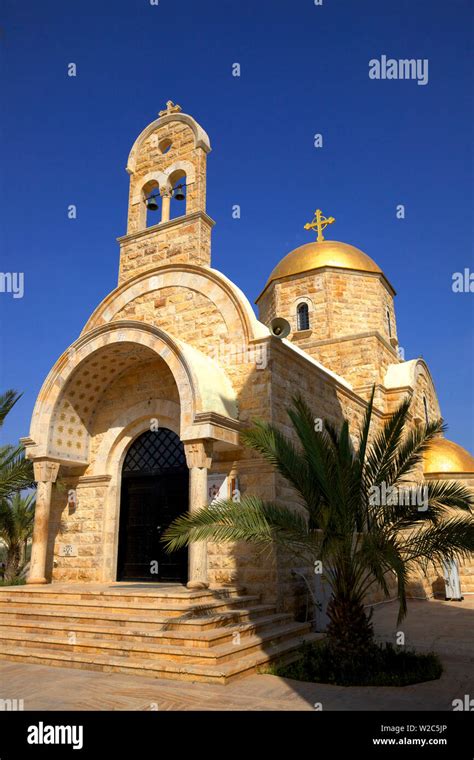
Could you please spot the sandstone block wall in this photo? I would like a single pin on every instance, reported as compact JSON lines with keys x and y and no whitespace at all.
{"x":181,"y":240}
{"x":341,"y":302}
{"x":349,"y":329}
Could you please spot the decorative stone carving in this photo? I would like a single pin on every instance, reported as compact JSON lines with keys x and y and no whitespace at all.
{"x":45,"y":471}
{"x":198,"y":454}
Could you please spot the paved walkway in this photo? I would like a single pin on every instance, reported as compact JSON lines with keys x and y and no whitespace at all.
{"x":445,"y":627}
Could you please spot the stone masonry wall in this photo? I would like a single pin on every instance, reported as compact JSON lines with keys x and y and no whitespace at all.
{"x":361,"y":361}
{"x":348,"y":330}
{"x":341,"y":303}
{"x":182,"y":240}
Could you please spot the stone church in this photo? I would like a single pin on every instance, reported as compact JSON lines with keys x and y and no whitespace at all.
{"x":139,"y":419}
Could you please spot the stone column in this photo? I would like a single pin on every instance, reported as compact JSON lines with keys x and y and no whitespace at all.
{"x":199,"y":460}
{"x":165,"y":205}
{"x":46,"y":472}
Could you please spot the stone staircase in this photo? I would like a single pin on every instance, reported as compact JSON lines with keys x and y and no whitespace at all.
{"x":160,"y":631}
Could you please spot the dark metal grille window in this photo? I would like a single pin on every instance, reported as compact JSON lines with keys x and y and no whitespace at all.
{"x":302,"y":314}
{"x":155,"y":452}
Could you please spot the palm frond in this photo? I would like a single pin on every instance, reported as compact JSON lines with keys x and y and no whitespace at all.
{"x":382,"y":452}
{"x":452,"y":539}
{"x":251,"y":520}
{"x":411,"y":449}
{"x":17,"y":518}
{"x":8,"y":400}
{"x":16,"y":472}
{"x":277,"y":449}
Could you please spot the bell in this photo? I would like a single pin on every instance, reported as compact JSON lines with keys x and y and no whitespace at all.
{"x":151,"y":203}
{"x":179,"y":193}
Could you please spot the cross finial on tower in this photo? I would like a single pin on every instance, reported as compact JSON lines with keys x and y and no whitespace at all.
{"x":319,"y":223}
{"x":170,"y":108}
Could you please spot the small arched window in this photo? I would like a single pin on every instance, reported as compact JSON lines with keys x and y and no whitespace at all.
{"x":425,"y":407}
{"x":302,"y":316}
{"x":389,"y":322}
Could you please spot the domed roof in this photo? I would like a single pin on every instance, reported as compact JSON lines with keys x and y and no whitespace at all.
{"x":328,"y":253}
{"x":447,"y":456}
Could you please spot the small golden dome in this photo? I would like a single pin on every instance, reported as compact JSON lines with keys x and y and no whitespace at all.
{"x":328,"y":253}
{"x":447,"y":456}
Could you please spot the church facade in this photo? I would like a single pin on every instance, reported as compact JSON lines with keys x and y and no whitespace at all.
{"x":139,"y":419}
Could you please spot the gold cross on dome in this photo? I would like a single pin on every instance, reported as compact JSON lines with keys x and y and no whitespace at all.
{"x":170,"y":108}
{"x":319,"y":223}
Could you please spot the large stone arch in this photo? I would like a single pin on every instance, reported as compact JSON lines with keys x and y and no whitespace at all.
{"x":227,"y":297}
{"x":204,"y":390}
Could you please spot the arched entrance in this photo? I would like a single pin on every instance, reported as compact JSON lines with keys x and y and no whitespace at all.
{"x":155,"y":480}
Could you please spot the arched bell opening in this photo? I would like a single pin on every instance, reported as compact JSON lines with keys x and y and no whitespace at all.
{"x":154,"y":491}
{"x":178,"y":193}
{"x":151,"y":199}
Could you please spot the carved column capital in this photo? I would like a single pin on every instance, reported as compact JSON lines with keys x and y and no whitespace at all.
{"x":45,"y":470}
{"x":198,"y":454}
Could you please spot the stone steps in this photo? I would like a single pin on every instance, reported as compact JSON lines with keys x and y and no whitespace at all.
{"x":205,"y":673}
{"x":214,"y":655}
{"x":175,"y":593}
{"x":209,"y":636}
{"x":156,"y":608}
{"x":199,"y":638}
{"x":195,"y":621}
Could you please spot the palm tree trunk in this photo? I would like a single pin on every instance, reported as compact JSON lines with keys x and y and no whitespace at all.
{"x":23,"y":552}
{"x":13,"y":562}
{"x":350,"y":632}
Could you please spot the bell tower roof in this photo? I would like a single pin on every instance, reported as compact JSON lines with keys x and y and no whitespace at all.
{"x":172,"y":113}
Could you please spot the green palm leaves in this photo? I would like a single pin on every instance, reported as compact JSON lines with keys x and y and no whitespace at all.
{"x":16,"y":512}
{"x":16,"y":472}
{"x":359,"y":507}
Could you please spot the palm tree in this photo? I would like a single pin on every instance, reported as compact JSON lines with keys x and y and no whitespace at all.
{"x":16,"y":526}
{"x":16,"y":472}
{"x":360,"y":539}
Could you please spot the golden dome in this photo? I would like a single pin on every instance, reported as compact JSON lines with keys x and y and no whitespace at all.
{"x":447,"y":456}
{"x":328,"y":253}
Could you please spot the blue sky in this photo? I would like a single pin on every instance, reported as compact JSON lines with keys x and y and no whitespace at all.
{"x":304,"y":70}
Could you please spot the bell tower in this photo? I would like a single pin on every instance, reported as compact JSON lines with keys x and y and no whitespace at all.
{"x":167,"y":219}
